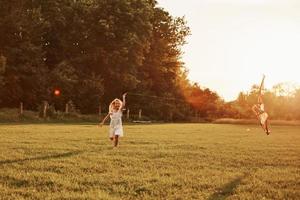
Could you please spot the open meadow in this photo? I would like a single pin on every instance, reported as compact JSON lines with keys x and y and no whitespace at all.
{"x":169,"y":161}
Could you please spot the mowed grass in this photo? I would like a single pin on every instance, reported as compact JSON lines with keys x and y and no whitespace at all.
{"x":172,"y":161}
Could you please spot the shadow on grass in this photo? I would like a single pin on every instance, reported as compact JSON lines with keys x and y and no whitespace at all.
{"x":14,"y":182}
{"x":47,"y":157}
{"x":22,"y":182}
{"x":227,"y":189}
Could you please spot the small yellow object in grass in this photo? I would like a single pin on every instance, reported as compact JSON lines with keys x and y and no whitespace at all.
{"x":248,"y":129}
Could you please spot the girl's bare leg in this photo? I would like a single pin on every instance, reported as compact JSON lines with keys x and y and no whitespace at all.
{"x":266,"y":127}
{"x":116,"y":140}
{"x":263,"y":126}
{"x":112,"y":139}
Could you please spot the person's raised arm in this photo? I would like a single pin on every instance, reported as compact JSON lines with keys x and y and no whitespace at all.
{"x":262,"y":84}
{"x":260,"y":99}
{"x":124,"y":100}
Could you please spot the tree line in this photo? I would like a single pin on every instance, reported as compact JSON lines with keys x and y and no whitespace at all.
{"x":93,"y":51}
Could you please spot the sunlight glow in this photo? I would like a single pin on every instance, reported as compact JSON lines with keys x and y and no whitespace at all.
{"x":234,"y":42}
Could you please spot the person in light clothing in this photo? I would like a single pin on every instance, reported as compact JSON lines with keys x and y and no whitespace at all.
{"x":115,"y":113}
{"x":261,"y":114}
{"x":259,"y":110}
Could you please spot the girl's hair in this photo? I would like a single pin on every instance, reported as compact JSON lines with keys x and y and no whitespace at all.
{"x":111,"y":107}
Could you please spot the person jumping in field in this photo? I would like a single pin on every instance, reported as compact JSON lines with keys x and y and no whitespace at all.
{"x":259,"y":110}
{"x":115,"y":113}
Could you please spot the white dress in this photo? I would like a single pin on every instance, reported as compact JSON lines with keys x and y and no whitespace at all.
{"x":263,"y":116}
{"x":115,"y":126}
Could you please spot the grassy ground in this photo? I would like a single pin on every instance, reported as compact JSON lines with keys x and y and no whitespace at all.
{"x":254,"y":121}
{"x":181,"y":161}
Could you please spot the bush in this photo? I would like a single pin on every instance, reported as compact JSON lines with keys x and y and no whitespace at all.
{"x":13,"y":115}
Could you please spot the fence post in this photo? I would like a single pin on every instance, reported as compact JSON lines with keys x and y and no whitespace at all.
{"x":171,"y":116}
{"x":21,"y":108}
{"x":45,"y":109}
{"x":140,"y":114}
{"x":67,"y":108}
{"x":128,"y":111}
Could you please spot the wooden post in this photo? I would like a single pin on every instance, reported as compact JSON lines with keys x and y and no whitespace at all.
{"x":140,"y":114}
{"x":21,"y":108}
{"x":45,"y":109}
{"x":67,"y":108}
{"x":128,"y":111}
{"x":171,"y":116}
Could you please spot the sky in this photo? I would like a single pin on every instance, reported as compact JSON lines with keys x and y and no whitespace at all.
{"x":235,"y":42}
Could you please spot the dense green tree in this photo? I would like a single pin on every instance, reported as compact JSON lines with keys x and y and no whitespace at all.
{"x":24,"y":76}
{"x":93,"y":51}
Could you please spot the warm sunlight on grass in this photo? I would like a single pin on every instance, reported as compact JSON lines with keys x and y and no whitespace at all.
{"x":184,"y":161}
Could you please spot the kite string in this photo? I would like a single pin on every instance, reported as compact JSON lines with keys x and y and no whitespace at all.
{"x":157,"y":97}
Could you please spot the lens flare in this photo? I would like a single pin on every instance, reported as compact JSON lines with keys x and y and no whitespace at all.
{"x":57,"y":92}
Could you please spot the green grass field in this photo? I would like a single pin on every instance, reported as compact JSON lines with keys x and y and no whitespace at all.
{"x":172,"y":161}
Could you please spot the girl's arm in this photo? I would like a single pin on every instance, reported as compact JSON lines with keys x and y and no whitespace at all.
{"x":262,"y":84}
{"x":124,"y":100}
{"x":260,"y":99}
{"x":105,"y":118}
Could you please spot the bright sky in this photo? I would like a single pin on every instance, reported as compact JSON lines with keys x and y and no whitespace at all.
{"x":234,"y":42}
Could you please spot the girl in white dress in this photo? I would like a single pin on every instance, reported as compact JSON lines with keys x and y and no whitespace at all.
{"x":261,"y":114}
{"x":115,"y":114}
{"x":259,"y":110}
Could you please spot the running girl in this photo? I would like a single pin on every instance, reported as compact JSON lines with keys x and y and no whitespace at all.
{"x":259,"y":111}
{"x":115,"y":114}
